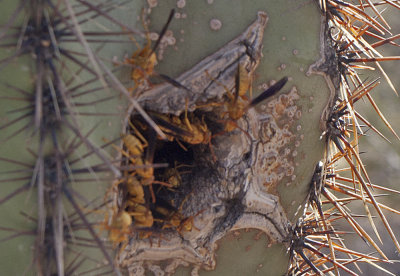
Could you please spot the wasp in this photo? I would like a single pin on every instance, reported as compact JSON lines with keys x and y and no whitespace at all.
{"x":121,"y":224}
{"x":173,"y":175}
{"x":173,"y":218}
{"x":142,"y":215}
{"x":200,"y":134}
{"x":144,"y":59}
{"x":135,"y":203}
{"x":135,"y":191}
{"x":193,"y":131}
{"x":132,"y":212}
{"x":238,"y":103}
{"x":136,"y":149}
{"x":135,"y":145}
{"x":176,"y":220}
{"x":119,"y":228}
{"x":121,"y":221}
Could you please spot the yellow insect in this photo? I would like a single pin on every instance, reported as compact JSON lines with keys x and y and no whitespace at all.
{"x":122,"y":223}
{"x":135,"y":144}
{"x":119,"y":228}
{"x":132,"y":212}
{"x":142,"y":215}
{"x":135,"y":192}
{"x":173,"y":219}
{"x":238,"y":103}
{"x":173,"y":175}
{"x":144,"y":59}
{"x":193,"y":131}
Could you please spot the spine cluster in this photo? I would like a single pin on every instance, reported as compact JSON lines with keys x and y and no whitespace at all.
{"x":341,"y":181}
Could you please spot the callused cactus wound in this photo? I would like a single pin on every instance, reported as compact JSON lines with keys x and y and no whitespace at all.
{"x":230,"y":182}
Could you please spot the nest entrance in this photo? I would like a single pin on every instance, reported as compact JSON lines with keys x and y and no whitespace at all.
{"x":176,"y":162}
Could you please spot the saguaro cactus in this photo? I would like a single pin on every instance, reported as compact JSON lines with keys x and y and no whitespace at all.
{"x":78,"y":76}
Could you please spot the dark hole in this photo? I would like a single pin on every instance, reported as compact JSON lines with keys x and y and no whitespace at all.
{"x":247,"y":156}
{"x":182,"y":159}
{"x":172,"y":152}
